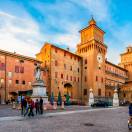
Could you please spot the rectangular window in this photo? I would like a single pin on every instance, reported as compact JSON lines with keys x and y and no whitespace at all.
{"x":21,"y":69}
{"x":85,"y":92}
{"x":102,"y":79}
{"x":99,"y":92}
{"x":23,"y":82}
{"x":2,"y":66}
{"x":56,"y":74}
{"x":17,"y":69}
{"x":17,"y":81}
{"x":71,"y":68}
{"x":85,"y":61}
{"x":78,"y":69}
{"x":96,"y":78}
{"x":78,"y":79}
{"x":62,"y":76}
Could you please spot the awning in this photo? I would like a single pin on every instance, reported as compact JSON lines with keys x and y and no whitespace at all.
{"x":28,"y":92}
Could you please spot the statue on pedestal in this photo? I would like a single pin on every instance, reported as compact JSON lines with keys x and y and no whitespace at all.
{"x":38,"y":72}
{"x":91,"y":97}
{"x":115,"y":98}
{"x":39,"y":87}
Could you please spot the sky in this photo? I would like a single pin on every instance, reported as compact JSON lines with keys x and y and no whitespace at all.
{"x":25,"y":25}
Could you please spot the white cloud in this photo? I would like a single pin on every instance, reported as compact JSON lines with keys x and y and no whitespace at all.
{"x":98,"y":8}
{"x":70,"y":38}
{"x":18,"y":34}
{"x":121,"y":38}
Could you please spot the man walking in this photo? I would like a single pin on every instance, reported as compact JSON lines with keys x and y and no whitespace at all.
{"x":41,"y":105}
{"x":37,"y":106}
{"x":23,"y":106}
{"x":130,"y":109}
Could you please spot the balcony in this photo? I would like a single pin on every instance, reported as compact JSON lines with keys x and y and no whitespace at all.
{"x":116,"y":75}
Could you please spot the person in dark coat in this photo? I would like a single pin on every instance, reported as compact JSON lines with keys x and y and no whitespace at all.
{"x":23,"y":106}
{"x":41,"y":105}
{"x":37,"y":106}
{"x":130,"y":109}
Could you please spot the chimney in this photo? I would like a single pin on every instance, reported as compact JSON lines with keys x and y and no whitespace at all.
{"x":68,"y":49}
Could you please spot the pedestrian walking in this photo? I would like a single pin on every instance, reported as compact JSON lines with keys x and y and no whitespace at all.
{"x":31,"y":107}
{"x":23,"y":106}
{"x":41,"y":105}
{"x":130,"y":109}
{"x":37,"y":106}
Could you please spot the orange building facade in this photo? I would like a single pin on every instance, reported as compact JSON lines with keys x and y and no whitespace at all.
{"x":126,"y":62}
{"x":70,"y":73}
{"x":88,"y":68}
{"x":16,"y":75}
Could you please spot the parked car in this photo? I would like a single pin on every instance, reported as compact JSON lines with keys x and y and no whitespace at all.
{"x":100,"y":104}
{"x":124,"y":103}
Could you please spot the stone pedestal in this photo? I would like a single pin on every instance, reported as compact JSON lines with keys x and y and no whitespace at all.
{"x":91,"y":97}
{"x":39,"y":90}
{"x":115,"y":99}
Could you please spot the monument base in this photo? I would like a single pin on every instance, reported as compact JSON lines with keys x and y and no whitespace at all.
{"x":115,"y":99}
{"x":39,"y":91}
{"x":91,"y":97}
{"x":115,"y":103}
{"x":45,"y":98}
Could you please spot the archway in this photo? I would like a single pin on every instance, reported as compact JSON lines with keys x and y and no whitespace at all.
{"x":68,"y":89}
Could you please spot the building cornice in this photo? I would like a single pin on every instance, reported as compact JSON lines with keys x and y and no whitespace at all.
{"x":107,"y":62}
{"x":7,"y":53}
{"x":52,"y":45}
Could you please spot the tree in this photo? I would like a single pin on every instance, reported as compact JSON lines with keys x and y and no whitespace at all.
{"x":67,"y":99}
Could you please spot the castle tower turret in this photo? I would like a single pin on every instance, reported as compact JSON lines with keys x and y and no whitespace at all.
{"x":93,"y":51}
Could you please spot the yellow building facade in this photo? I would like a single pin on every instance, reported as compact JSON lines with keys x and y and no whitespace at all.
{"x":126,"y":62}
{"x":75,"y":73}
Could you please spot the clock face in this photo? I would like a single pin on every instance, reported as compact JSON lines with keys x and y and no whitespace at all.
{"x":99,"y":58}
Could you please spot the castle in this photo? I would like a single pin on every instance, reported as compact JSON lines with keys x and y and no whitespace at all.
{"x":70,"y":73}
{"x":75,"y":73}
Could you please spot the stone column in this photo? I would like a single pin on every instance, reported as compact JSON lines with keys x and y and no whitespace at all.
{"x":115,"y":98}
{"x":91,"y":97}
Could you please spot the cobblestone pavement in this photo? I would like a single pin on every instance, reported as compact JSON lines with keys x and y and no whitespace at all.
{"x":6,"y":110}
{"x":104,"y":120}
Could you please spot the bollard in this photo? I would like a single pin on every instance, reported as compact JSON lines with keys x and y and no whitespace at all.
{"x":13,"y":105}
{"x":45,"y":106}
{"x":62,"y":105}
{"x":55,"y":106}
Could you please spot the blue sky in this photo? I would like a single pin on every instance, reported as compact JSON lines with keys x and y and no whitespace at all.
{"x":26,"y":24}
